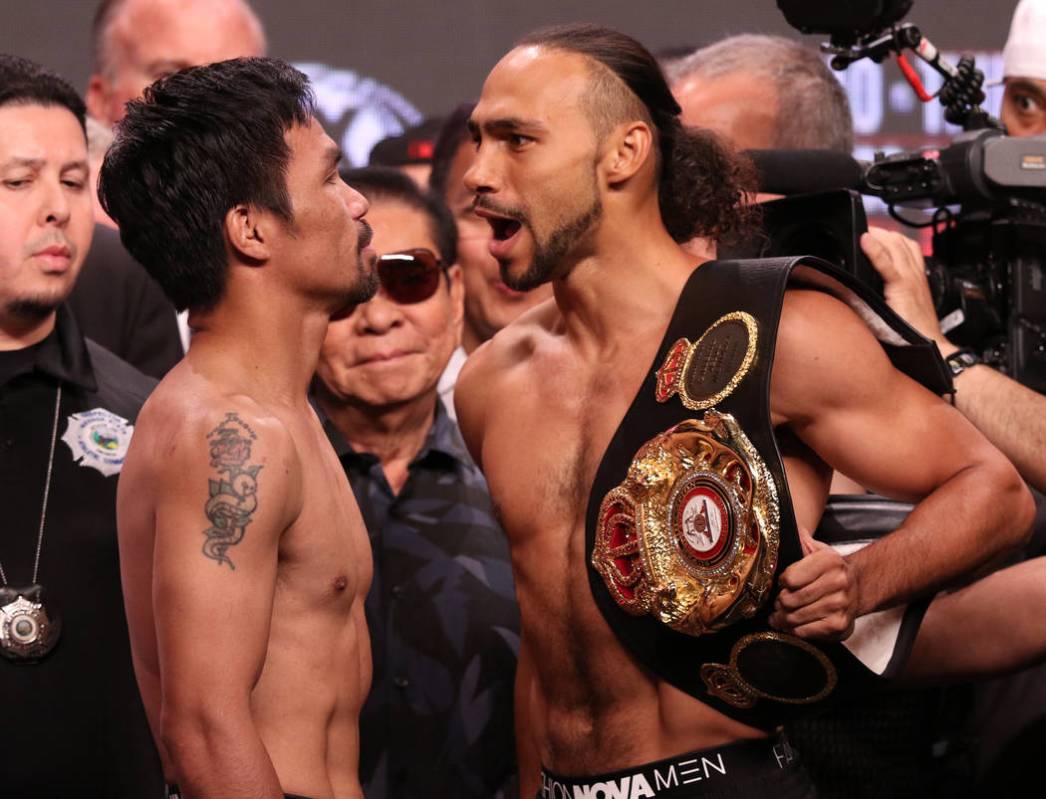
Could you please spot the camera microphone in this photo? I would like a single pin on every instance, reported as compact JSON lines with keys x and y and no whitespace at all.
{"x":806,"y":171}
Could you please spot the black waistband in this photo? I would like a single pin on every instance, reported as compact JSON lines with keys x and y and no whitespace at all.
{"x":704,"y":773}
{"x":174,"y":792}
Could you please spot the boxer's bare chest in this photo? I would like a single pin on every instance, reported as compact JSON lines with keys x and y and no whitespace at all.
{"x":546,"y":432}
{"x":326,"y":551}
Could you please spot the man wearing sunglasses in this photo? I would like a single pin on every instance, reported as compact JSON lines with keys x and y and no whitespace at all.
{"x":441,"y":609}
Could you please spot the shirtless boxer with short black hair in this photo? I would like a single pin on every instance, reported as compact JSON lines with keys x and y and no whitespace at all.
{"x":589,"y":181}
{"x":244,"y":558}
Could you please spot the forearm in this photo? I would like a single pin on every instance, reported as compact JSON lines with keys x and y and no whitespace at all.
{"x":218,"y":753}
{"x":968,"y":520}
{"x":1011,"y":416}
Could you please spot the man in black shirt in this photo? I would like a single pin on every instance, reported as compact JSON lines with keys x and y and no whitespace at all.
{"x":119,"y":306}
{"x":73,"y":720}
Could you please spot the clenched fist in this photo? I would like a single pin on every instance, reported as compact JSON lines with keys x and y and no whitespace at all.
{"x":818,"y":595}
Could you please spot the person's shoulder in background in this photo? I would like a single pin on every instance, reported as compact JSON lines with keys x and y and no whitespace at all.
{"x":119,"y":306}
{"x":122,"y":388}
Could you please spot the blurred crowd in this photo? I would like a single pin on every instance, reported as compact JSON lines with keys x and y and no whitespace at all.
{"x":441,"y":610}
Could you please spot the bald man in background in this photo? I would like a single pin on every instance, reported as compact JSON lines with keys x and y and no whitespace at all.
{"x":134,"y":43}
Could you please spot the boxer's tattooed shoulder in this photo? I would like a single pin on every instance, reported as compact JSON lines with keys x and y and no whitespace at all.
{"x":233,"y":495}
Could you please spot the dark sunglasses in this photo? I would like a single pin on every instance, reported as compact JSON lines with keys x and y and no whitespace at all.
{"x":409,"y":276}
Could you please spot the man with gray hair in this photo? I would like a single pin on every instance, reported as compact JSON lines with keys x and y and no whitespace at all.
{"x":763,"y":92}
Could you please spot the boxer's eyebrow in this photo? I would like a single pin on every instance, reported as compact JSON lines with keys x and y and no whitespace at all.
{"x":504,"y":125}
{"x":332,"y":156}
{"x":512,"y":124}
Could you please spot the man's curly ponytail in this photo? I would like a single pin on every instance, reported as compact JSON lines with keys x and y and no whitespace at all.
{"x":705,"y":185}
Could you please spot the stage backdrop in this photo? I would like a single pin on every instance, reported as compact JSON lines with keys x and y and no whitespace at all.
{"x":385,"y":64}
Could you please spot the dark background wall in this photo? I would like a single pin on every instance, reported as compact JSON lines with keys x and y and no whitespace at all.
{"x":437,"y":52}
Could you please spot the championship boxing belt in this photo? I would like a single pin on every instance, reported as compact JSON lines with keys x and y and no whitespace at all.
{"x":690,"y":521}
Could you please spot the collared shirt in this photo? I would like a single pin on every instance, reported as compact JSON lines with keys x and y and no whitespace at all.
{"x":73,"y":723}
{"x":443,"y":622}
{"x":449,"y":379}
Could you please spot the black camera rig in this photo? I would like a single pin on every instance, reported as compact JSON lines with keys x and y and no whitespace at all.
{"x":988,"y":269}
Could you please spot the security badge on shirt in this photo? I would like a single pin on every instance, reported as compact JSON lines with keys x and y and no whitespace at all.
{"x":29,"y":629}
{"x":98,"y":439}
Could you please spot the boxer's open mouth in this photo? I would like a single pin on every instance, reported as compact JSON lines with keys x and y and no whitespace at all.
{"x":503,"y":228}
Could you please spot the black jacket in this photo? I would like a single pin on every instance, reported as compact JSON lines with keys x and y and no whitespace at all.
{"x":119,"y":306}
{"x":74,"y":722}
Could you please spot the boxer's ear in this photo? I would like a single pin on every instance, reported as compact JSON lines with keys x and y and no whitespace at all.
{"x":631,"y":147}
{"x":246,"y":233}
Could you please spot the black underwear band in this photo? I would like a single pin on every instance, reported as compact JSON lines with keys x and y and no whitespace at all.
{"x":174,"y":792}
{"x":755,"y":768}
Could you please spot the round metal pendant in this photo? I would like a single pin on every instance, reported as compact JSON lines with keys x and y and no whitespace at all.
{"x":27,"y":631}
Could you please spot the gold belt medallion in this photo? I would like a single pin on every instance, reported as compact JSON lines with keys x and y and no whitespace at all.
{"x":707,"y":371}
{"x":691,"y":536}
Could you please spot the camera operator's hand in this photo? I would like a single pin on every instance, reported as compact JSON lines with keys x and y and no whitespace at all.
{"x":1011,"y":416}
{"x":900,"y":263}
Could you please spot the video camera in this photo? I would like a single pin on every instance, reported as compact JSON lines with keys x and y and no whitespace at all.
{"x":988,"y":269}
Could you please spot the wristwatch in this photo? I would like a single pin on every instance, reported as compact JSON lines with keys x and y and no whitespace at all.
{"x":961,"y":360}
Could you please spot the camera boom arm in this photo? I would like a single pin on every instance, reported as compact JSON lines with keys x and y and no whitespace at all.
{"x":962,"y":92}
{"x":873,"y":29}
